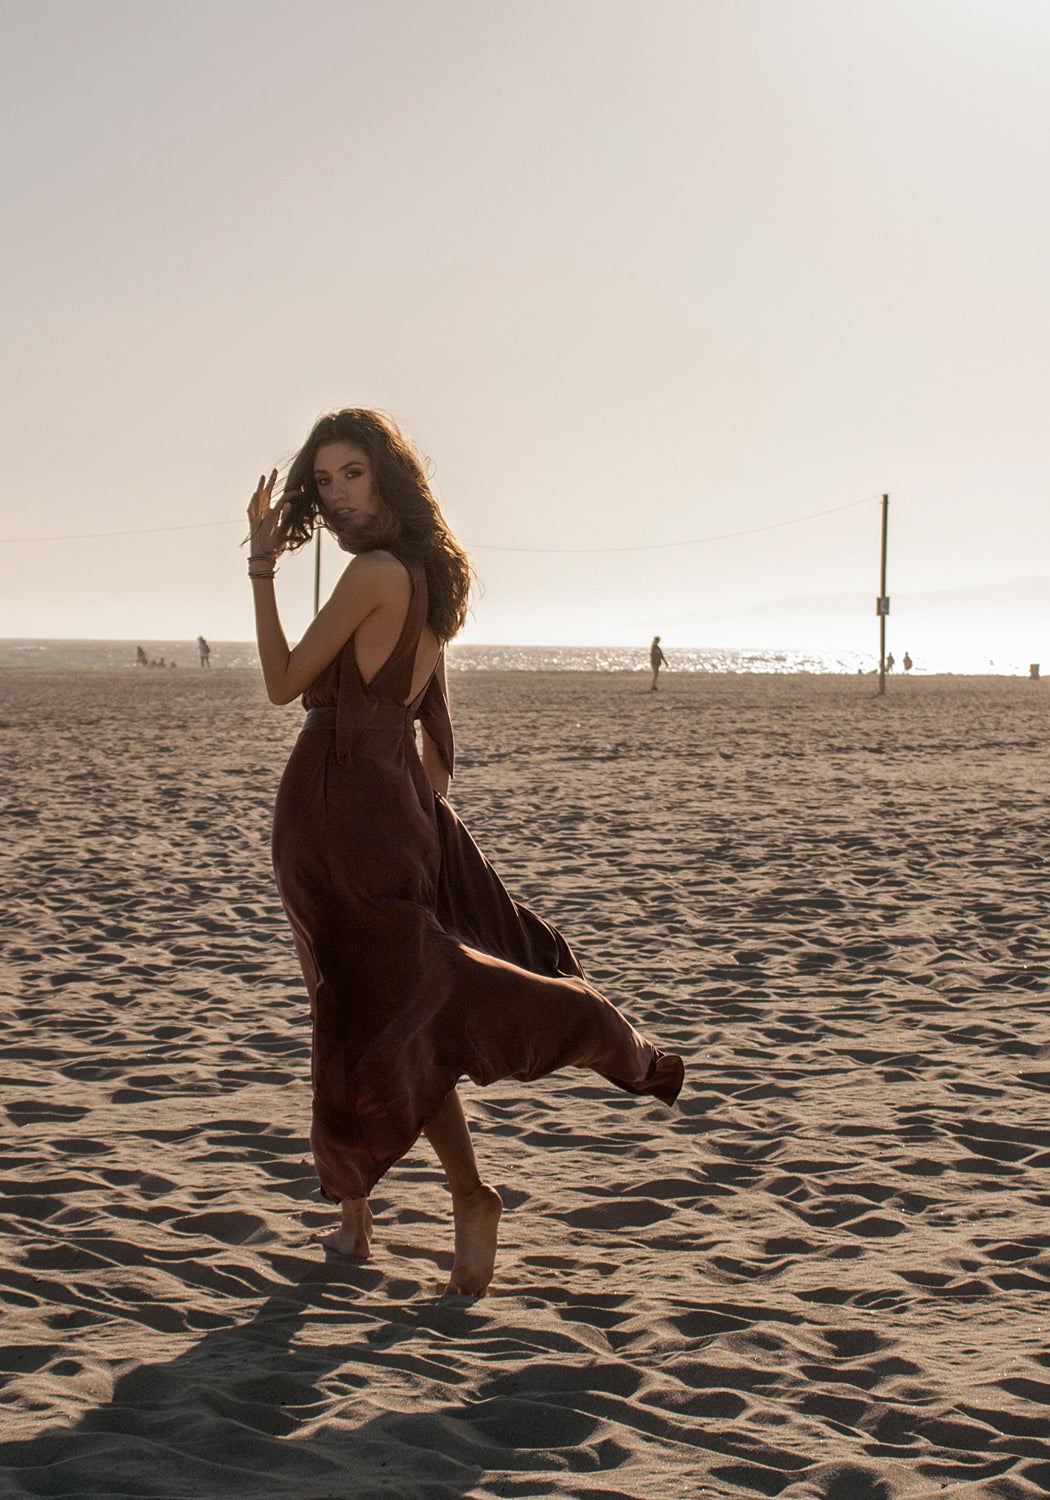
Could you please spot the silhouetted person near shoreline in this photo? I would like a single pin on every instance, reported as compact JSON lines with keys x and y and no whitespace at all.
{"x":656,"y":660}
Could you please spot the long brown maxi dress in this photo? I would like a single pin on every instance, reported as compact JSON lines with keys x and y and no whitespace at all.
{"x":420,"y":966}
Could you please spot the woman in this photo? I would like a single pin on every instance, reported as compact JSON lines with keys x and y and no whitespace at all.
{"x":419,"y":965}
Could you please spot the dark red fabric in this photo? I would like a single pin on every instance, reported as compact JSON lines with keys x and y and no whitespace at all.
{"x":420,"y":966}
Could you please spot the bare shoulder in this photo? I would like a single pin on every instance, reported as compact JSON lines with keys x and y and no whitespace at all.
{"x":379,"y":562}
{"x":379,"y":573}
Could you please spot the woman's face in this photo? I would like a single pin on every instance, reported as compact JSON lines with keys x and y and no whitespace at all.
{"x":343,"y":476}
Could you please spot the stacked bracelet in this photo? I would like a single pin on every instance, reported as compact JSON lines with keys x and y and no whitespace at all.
{"x":262,"y":557}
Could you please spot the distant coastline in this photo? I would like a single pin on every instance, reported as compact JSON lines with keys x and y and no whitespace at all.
{"x":40,"y":653}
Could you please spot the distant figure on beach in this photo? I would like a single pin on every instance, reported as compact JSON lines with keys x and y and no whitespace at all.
{"x":656,"y":660}
{"x":889,"y":662}
{"x":141,"y":658}
{"x":907,"y":662}
{"x":419,"y":966}
{"x":205,"y":651}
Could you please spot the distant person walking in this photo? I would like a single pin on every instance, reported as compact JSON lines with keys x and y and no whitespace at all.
{"x":907,"y":662}
{"x":656,"y":660}
{"x":205,"y":651}
{"x":890,"y":662}
{"x":141,"y":658}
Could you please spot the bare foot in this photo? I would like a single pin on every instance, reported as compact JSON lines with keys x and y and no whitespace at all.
{"x":354,"y":1235}
{"x":477,"y":1219}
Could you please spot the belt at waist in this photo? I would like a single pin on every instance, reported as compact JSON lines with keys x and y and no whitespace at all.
{"x":387,"y":716}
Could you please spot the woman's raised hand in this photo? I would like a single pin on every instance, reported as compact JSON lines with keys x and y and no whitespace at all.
{"x":264,"y":519}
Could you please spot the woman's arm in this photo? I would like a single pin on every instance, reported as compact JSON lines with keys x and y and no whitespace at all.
{"x":435,"y":768}
{"x":369,"y":582}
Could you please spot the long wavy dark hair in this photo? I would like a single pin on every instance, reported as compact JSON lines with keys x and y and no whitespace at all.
{"x":409,"y":522}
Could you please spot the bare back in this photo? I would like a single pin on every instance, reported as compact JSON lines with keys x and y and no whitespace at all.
{"x":378,"y":634}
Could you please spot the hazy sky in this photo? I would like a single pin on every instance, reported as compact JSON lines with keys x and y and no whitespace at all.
{"x":633,"y":272}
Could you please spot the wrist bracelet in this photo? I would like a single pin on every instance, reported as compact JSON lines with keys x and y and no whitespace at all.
{"x":271,"y":574}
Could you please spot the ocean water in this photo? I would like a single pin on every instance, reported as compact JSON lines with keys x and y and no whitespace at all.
{"x":463,"y":658}
{"x":109,"y":654}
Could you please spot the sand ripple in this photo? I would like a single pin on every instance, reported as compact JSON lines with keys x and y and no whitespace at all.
{"x":827,"y":1274}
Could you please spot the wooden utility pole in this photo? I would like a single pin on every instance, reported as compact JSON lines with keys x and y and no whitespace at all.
{"x":317,"y":568}
{"x":882,"y":603}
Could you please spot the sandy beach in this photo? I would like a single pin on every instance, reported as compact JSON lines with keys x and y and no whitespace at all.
{"x":825,"y":1273}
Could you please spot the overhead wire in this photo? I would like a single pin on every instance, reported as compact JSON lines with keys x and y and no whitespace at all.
{"x":698,"y":541}
{"x":90,"y":536}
